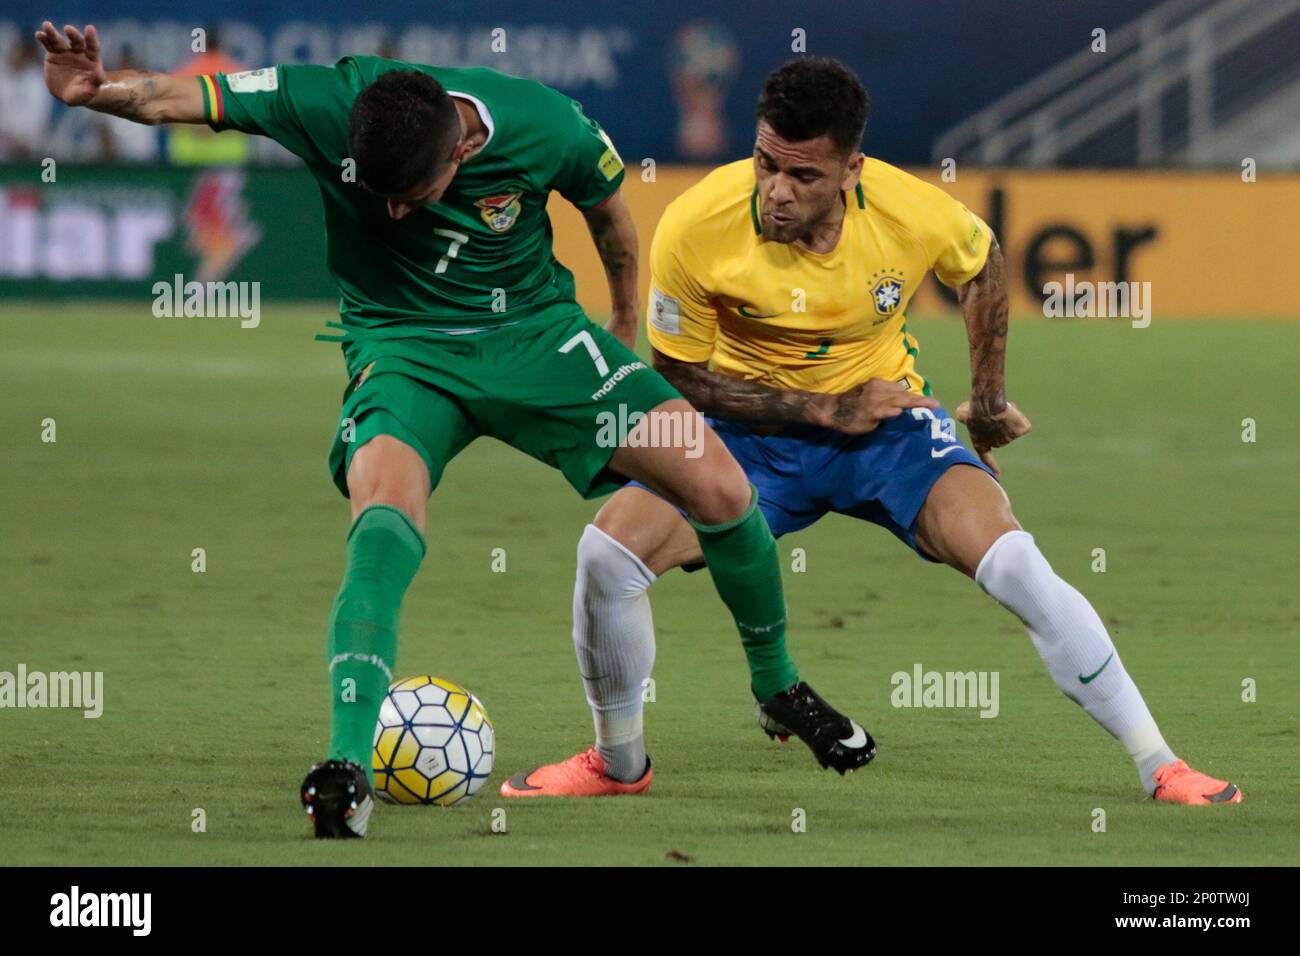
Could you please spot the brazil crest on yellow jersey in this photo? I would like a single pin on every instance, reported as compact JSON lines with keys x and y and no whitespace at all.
{"x":782,"y":315}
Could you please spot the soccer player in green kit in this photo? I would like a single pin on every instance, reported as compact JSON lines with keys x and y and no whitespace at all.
{"x":456,"y":322}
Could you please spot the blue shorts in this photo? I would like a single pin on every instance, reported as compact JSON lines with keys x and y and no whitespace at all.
{"x":884,"y":476}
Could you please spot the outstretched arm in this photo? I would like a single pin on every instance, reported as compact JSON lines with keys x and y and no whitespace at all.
{"x":855,"y":412}
{"x":76,"y":76}
{"x":990,"y":418}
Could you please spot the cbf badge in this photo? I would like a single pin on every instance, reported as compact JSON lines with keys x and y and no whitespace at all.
{"x":887,"y":291}
{"x":500,"y":212}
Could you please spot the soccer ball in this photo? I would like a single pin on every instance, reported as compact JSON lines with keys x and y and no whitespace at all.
{"x":433,"y":743}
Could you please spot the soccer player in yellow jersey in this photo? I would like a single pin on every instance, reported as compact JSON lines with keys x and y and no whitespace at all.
{"x":778,"y":290}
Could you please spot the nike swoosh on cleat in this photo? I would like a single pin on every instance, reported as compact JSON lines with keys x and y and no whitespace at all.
{"x":1088,"y":679}
{"x":1224,"y":795}
{"x":360,"y":818}
{"x":520,"y":780}
{"x":857,"y":740}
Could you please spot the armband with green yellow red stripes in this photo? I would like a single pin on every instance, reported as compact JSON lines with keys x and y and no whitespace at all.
{"x":213,"y":109}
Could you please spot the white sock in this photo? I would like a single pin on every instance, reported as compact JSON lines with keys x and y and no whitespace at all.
{"x":1073,"y":643}
{"x":613,"y":635}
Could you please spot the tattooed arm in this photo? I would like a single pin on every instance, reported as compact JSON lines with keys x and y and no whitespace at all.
{"x":990,"y":418}
{"x":76,"y":76}
{"x":856,"y":411}
{"x":614,"y":233}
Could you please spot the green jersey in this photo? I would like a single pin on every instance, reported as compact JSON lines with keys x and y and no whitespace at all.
{"x":479,"y":258}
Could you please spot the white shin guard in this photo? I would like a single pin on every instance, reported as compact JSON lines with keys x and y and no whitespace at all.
{"x":613,"y":635}
{"x":1074,"y":645}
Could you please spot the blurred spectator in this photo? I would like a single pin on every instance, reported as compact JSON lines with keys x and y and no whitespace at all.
{"x":199,"y":145}
{"x":25,"y":103}
{"x":121,"y":140}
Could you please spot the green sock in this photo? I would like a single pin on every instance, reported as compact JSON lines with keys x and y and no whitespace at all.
{"x":384,"y":551}
{"x":746,"y":570}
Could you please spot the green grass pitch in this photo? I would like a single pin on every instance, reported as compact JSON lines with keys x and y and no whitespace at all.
{"x":174,"y":434}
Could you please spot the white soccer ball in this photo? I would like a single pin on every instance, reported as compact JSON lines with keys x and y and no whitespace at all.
{"x":433,"y":744}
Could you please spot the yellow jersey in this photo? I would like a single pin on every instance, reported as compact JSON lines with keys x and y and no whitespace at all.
{"x":779,"y":314}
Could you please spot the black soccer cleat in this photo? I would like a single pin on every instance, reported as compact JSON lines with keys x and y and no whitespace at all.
{"x":835,"y":740}
{"x":338,"y":799}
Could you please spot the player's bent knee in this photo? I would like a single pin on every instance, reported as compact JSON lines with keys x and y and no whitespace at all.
{"x":965,"y":512}
{"x":1019,"y":576}
{"x":648,"y":526}
{"x":607,"y":566}
{"x":722,"y":493}
{"x":723,"y":500}
{"x":387,"y":471}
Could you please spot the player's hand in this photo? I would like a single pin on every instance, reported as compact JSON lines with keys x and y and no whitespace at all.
{"x":990,"y":430}
{"x":862,"y":408}
{"x":73,"y":71}
{"x":623,"y":327}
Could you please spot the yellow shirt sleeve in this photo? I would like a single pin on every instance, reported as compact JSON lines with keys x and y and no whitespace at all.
{"x":682,"y":322}
{"x":958,"y":241}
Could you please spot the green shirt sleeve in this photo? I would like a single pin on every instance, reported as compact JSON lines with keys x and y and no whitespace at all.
{"x":589,"y":169}
{"x":303,"y":108}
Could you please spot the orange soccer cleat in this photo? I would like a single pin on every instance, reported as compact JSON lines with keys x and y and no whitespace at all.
{"x":582,"y":775}
{"x":1179,"y":783}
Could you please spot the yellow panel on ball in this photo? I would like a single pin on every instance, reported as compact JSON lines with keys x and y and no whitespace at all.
{"x":407,"y":752}
{"x":450,"y":686}
{"x":414,"y":781}
{"x":385,"y":746}
{"x":414,"y":683}
{"x":456,"y":705}
{"x":452,"y":792}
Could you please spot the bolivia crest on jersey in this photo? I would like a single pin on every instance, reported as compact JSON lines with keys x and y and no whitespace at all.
{"x":500,"y":212}
{"x":887,"y":291}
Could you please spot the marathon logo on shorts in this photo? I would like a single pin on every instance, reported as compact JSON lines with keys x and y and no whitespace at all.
{"x":620,"y":373}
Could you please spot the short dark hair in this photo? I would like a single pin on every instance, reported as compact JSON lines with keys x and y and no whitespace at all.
{"x":401,"y":131}
{"x":816,"y":96}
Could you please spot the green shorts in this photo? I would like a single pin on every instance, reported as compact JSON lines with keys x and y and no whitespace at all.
{"x":539,"y":386}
